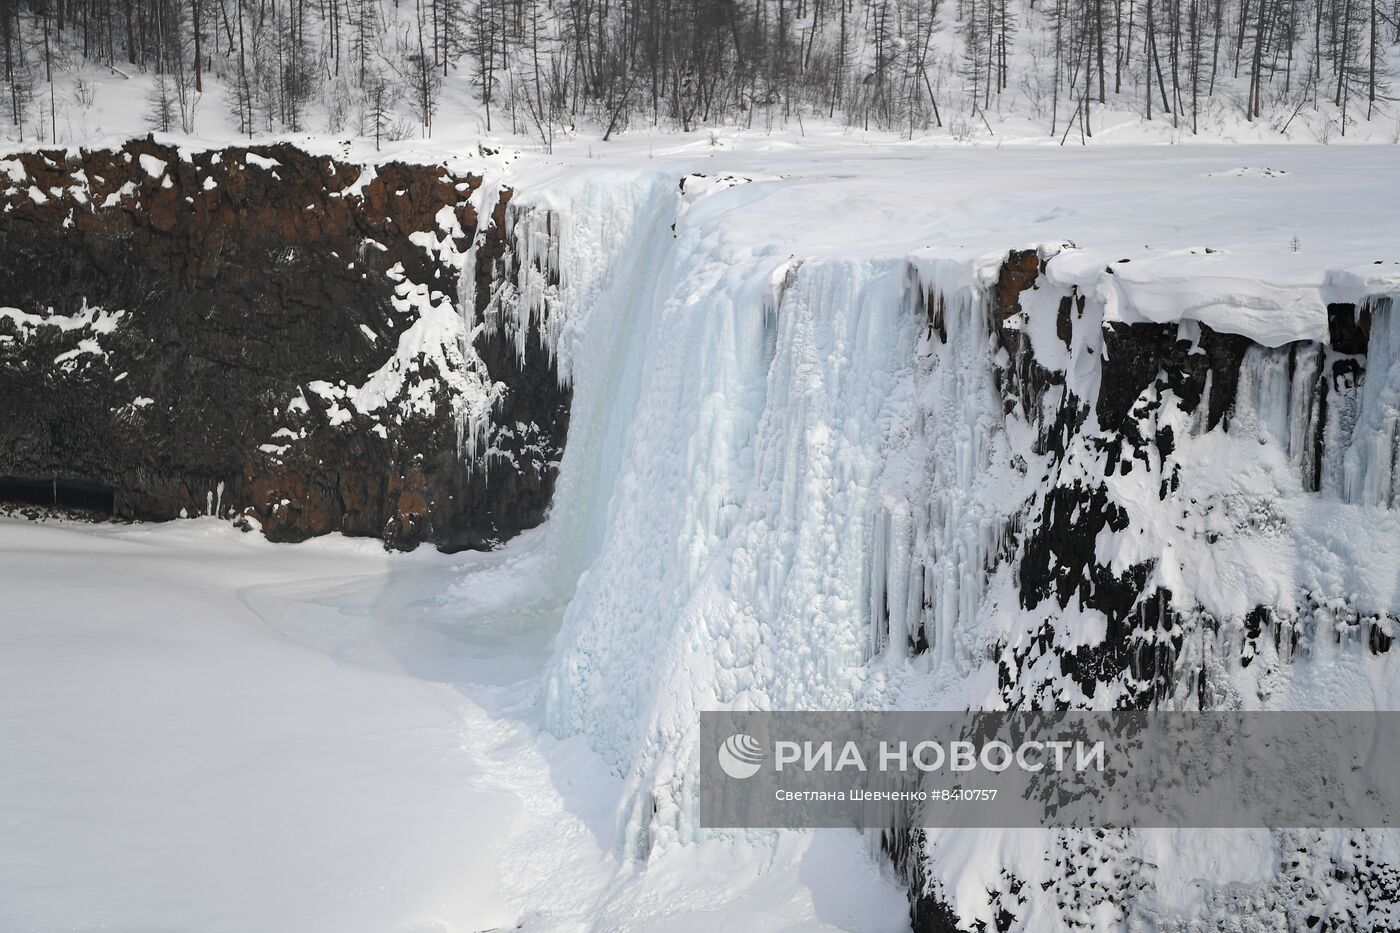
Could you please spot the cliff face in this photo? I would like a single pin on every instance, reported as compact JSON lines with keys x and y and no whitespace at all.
{"x":1177,"y":518}
{"x":266,"y":333}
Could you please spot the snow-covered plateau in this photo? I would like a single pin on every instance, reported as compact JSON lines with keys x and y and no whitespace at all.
{"x":849,"y":427}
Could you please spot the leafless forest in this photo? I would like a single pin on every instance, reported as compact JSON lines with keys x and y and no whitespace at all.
{"x":377,"y":67}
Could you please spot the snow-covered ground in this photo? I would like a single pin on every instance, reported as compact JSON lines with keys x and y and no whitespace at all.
{"x":204,"y":731}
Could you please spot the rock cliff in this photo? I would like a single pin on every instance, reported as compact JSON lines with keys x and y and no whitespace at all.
{"x":1182,"y":518}
{"x":268,"y":334}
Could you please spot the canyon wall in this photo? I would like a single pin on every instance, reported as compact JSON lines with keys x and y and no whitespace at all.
{"x":289,"y":339}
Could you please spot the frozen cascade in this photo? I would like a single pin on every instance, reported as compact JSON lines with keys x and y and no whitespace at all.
{"x":1262,"y":401}
{"x":612,"y":234}
{"x":1281,"y":396}
{"x":950,"y":491}
{"x":729,"y":416}
{"x":1277,"y":401}
{"x":808,"y":482}
{"x":1369,"y":473}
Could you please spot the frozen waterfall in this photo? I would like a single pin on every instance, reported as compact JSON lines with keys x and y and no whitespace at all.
{"x":812,"y":481}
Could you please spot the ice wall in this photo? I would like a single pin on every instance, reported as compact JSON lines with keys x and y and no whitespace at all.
{"x":730,"y":410}
{"x":940,"y":482}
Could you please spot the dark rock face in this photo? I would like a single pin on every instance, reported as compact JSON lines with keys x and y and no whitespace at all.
{"x":266,"y":333}
{"x":1348,"y":330}
{"x":1149,"y":378}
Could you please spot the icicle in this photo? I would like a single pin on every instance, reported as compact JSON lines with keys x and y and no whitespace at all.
{"x":1369,"y":473}
{"x":1304,"y":406}
{"x":879,"y":593}
{"x":535,"y":235}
